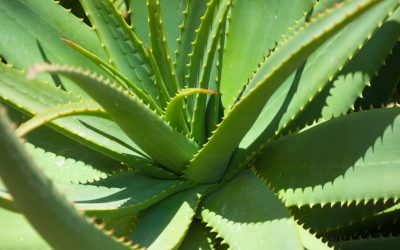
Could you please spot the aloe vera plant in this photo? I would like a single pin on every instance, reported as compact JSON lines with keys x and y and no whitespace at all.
{"x":200,"y":124}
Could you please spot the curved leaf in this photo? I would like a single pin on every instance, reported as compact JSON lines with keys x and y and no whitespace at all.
{"x":35,"y":96}
{"x":164,"y":225}
{"x":171,"y":14}
{"x":191,"y":21}
{"x":44,"y":207}
{"x":248,"y":215}
{"x":207,"y":166}
{"x":391,"y":242}
{"x":174,"y":113}
{"x":254,"y":28}
{"x":123,"y":48}
{"x":63,"y":110}
{"x":121,"y":194}
{"x":164,"y":144}
{"x":160,"y":46}
{"x":197,"y":238}
{"x":360,"y":162}
{"x":39,"y":38}
{"x":297,"y":93}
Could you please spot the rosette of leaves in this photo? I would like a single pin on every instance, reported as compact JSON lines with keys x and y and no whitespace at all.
{"x":195,"y":124}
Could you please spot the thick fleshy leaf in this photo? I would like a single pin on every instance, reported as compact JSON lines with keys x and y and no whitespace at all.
{"x":248,"y":215}
{"x":254,"y":28}
{"x":383,"y":243}
{"x":162,"y":142}
{"x":44,"y":207}
{"x":59,"y":169}
{"x":310,"y":241}
{"x":123,"y":48}
{"x":171,"y":14}
{"x":383,"y":85}
{"x":159,"y":46}
{"x":38,"y":38}
{"x":191,"y":21}
{"x":328,"y":219}
{"x":382,"y":222}
{"x":207,"y":166}
{"x":360,"y":162}
{"x":296,"y":93}
{"x":175,"y":114}
{"x":17,"y":233}
{"x":99,"y":134}
{"x":121,"y":194}
{"x":116,"y":75}
{"x":59,"y":111}
{"x":202,"y":62}
{"x":164,"y":225}
{"x":340,"y":95}
{"x":197,"y":238}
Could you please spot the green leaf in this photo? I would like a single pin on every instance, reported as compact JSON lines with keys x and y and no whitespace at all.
{"x":248,"y":215}
{"x":171,"y":14}
{"x":17,"y":233}
{"x":174,"y":114}
{"x":99,"y":134}
{"x":44,"y":207}
{"x":164,"y":144}
{"x":383,"y":243}
{"x":96,"y":194}
{"x":331,"y":218}
{"x":121,"y":194}
{"x":117,"y":76}
{"x":202,"y":61}
{"x":59,"y":169}
{"x":62,"y":110}
{"x":123,"y":48}
{"x":121,"y":226}
{"x":297,"y":93}
{"x":160,"y":46}
{"x":360,"y":70}
{"x":209,"y":167}
{"x":360,"y":162}
{"x":383,"y":222}
{"x":254,"y":28}
{"x":197,"y":238}
{"x":39,"y":38}
{"x":310,"y":241}
{"x":164,"y":225}
{"x":214,"y":111}
{"x":191,"y":21}
{"x":383,"y":85}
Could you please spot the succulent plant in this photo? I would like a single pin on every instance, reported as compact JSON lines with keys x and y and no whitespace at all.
{"x":200,"y":124}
